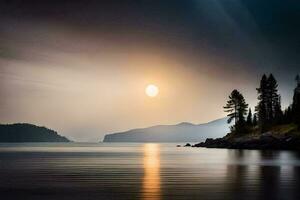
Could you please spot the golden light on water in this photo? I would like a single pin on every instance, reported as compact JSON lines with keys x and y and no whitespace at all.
{"x":152,"y":90}
{"x":151,"y":180}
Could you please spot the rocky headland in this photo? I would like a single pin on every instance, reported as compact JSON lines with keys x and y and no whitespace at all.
{"x":285,"y":137}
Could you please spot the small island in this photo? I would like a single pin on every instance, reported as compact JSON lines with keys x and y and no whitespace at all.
{"x":23,"y":132}
{"x":268,"y":128}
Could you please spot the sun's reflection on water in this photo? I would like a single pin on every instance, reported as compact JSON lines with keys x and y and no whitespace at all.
{"x":151,"y":180}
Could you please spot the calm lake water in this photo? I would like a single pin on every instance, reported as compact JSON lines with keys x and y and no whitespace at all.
{"x":145,"y":171}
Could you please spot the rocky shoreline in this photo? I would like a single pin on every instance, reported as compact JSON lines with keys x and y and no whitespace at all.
{"x":266,"y":141}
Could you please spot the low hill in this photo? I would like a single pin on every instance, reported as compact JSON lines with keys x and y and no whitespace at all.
{"x":28,"y":133}
{"x":183,"y":132}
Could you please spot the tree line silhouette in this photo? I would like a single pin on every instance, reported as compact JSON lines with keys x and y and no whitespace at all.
{"x":268,"y":111}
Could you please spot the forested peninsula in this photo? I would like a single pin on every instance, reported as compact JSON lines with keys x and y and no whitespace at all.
{"x":269,"y":127}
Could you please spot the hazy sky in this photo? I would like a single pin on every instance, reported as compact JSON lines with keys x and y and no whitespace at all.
{"x":81,"y":67}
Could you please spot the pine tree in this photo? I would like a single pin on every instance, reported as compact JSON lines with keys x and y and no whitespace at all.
{"x":273,"y":101}
{"x":237,"y":108}
{"x":288,"y":115}
{"x":261,"y":108}
{"x":249,"y":118}
{"x":296,"y":103}
{"x":254,"y":120}
{"x":269,"y":105}
{"x":278,"y":114}
{"x":231,"y":107}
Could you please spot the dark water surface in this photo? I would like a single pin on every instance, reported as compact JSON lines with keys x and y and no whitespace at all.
{"x":145,"y":171}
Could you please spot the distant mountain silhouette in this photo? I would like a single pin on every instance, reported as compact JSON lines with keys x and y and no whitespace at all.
{"x":28,"y":133}
{"x":182,"y":132}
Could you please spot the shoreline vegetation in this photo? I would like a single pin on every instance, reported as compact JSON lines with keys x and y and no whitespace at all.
{"x":269,"y":127}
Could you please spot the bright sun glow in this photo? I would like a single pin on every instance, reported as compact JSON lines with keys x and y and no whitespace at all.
{"x":152,"y":90}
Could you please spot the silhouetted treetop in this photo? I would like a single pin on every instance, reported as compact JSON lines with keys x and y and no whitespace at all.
{"x":237,"y":108}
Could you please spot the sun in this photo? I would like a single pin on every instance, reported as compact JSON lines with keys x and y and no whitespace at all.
{"x":151,"y":90}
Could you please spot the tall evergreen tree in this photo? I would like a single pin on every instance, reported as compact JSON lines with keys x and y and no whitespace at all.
{"x":273,"y":100}
{"x":278,"y":113}
{"x":288,"y":115}
{"x":296,"y":103}
{"x":231,"y":107}
{"x":269,"y":105}
{"x":237,"y":108}
{"x":261,"y":107}
{"x":249,"y":118}
{"x":254,"y":123}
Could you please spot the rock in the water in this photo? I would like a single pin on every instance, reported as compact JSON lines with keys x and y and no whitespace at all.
{"x":188,"y":145}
